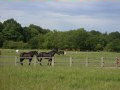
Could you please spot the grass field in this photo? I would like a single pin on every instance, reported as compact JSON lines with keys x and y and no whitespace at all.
{"x":60,"y":77}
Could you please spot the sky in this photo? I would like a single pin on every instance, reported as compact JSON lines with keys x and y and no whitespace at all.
{"x":61,"y":15}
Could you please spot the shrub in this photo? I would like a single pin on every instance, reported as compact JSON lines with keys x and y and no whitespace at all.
{"x":14,"y":45}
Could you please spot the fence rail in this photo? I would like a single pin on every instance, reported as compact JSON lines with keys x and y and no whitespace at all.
{"x":71,"y":61}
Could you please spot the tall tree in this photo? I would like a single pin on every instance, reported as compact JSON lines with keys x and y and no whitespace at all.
{"x":81,"y":38}
{"x":38,"y":28}
{"x":93,"y":32}
{"x":1,"y":39}
{"x":1,"y":27}
{"x":114,"y":35}
{"x":12,"y":30}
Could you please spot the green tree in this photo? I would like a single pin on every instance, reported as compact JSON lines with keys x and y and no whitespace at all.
{"x":113,"y":35}
{"x":1,"y":39}
{"x":113,"y":46}
{"x":49,"y":40}
{"x":37,"y":42}
{"x":81,"y":37}
{"x":33,"y":31}
{"x":39,"y":29}
{"x":1,"y":27}
{"x":93,"y":32}
{"x":14,"y":45}
{"x":26,"y":34}
{"x":12,"y":30}
{"x":98,"y":47}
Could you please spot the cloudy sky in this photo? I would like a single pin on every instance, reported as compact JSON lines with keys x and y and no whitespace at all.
{"x":63,"y":15}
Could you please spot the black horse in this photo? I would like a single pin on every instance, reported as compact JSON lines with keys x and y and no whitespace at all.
{"x":61,"y":52}
{"x":47,"y":55}
{"x":27,"y":55}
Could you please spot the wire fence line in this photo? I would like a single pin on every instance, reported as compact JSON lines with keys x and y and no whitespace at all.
{"x":70,"y":61}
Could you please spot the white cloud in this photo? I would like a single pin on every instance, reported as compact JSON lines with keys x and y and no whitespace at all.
{"x":64,"y":15}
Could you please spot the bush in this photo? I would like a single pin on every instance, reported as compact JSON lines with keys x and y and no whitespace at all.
{"x":113,"y":46}
{"x":99,"y":47}
{"x":15,"y":45}
{"x":36,"y":42}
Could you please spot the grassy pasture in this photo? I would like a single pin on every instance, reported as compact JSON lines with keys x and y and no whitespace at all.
{"x":60,"y":77}
{"x":78,"y":58}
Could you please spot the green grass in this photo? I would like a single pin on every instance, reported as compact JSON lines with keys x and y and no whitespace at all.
{"x":60,"y":77}
{"x":94,"y":58}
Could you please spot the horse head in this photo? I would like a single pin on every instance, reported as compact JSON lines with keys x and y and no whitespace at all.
{"x":61,"y":52}
{"x":55,"y":50}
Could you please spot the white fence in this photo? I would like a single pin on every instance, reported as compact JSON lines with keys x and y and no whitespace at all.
{"x":69,"y":61}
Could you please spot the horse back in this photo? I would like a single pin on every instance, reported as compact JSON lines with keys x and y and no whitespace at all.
{"x":24,"y":54}
{"x":44,"y":54}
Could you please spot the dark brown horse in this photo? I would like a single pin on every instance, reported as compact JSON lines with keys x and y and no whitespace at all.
{"x":27,"y":55}
{"x":61,"y":52}
{"x":47,"y":55}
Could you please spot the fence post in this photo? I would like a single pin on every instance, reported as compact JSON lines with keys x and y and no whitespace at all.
{"x":70,"y":61}
{"x":102,"y":62}
{"x":86,"y":64}
{"x":117,"y":61}
{"x":15,"y":60}
{"x":53,"y":59}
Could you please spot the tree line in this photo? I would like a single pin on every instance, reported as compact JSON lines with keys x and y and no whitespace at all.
{"x":14,"y":36}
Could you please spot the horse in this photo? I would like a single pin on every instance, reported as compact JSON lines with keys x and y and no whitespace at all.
{"x":27,"y":55}
{"x":47,"y":55}
{"x":61,"y":52}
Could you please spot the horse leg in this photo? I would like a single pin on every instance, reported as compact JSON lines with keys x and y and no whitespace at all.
{"x":21,"y":61}
{"x":50,"y":62}
{"x":30,"y":61}
{"x":40,"y":61}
